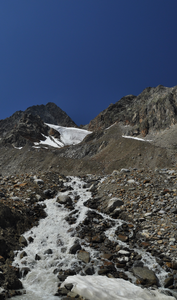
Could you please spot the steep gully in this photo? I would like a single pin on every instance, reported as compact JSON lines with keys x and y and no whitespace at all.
{"x":56,"y":251}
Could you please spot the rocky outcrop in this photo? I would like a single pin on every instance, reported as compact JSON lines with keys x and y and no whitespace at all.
{"x":49,"y":113}
{"x":153,"y":110}
{"x":52,"y":114}
{"x":29,"y":129}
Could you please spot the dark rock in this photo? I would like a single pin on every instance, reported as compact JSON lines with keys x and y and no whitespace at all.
{"x":48,"y":193}
{"x":23,"y":254}
{"x":37,"y":257}
{"x":24,"y":271}
{"x":48,"y":251}
{"x":23,"y":241}
{"x":168,"y":281}
{"x":69,"y":286}
{"x":30,"y":239}
{"x":89,"y":270}
{"x":75,"y":248}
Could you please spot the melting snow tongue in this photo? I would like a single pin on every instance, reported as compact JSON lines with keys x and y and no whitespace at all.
{"x":50,"y":252}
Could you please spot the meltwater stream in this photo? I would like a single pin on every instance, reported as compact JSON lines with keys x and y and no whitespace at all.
{"x":52,"y":242}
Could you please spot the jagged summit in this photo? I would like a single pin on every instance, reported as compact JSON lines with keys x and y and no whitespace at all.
{"x":52,"y":114}
{"x":49,"y":113}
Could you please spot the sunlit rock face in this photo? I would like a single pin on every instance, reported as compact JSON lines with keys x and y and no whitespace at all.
{"x":153,"y":109}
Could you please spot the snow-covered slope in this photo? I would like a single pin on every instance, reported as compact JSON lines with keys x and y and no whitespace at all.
{"x":68,"y":136}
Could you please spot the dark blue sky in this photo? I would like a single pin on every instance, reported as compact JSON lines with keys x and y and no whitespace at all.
{"x":84,"y":54}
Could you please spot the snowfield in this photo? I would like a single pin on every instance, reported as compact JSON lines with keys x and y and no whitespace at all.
{"x":68,"y":136}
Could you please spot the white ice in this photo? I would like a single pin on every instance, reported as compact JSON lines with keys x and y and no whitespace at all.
{"x":70,"y":135}
{"x":54,"y":233}
{"x":51,"y":233}
{"x":50,"y":141}
{"x":104,"y":288}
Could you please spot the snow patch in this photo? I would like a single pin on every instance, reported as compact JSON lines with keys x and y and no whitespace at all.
{"x":135,"y":138}
{"x":70,"y":135}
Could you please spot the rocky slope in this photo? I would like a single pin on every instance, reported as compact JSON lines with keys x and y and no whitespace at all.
{"x":143,"y":194}
{"x":144,"y":201}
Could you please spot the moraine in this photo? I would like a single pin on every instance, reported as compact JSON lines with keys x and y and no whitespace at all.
{"x":51,"y":254}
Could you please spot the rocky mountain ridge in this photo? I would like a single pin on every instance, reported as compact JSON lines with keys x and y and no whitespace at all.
{"x":106,"y":148}
{"x":153,"y":110}
{"x":49,"y":113}
{"x":133,"y":180}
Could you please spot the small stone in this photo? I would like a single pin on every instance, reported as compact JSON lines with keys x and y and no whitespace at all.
{"x":23,"y":241}
{"x":37,"y":257}
{"x":75,"y":248}
{"x":48,"y":251}
{"x":23,"y":254}
{"x":69,"y":286}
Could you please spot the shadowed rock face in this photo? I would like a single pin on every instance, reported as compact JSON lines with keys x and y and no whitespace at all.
{"x":49,"y":113}
{"x":52,"y":114}
{"x":29,"y":129}
{"x":153,"y":110}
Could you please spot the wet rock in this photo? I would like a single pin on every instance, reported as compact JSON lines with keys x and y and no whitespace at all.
{"x":89,"y":270}
{"x":39,"y":181}
{"x":123,"y":238}
{"x":75,"y":248}
{"x":37,"y":257}
{"x":62,"y":291}
{"x":23,"y":254}
{"x":23,"y":241}
{"x":69,"y":286}
{"x":24,"y":271}
{"x":107,"y":256}
{"x":62,"y":275}
{"x":145,"y":276}
{"x":3,"y":294}
{"x":48,"y":251}
{"x":48,"y":193}
{"x":64,"y":199}
{"x":30,"y":239}
{"x":168,"y":281}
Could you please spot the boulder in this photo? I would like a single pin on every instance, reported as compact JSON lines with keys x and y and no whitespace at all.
{"x":84,"y":256}
{"x":75,"y":248}
{"x":113,"y":203}
{"x":145,"y":276}
{"x":64,"y":199}
{"x":23,"y":241}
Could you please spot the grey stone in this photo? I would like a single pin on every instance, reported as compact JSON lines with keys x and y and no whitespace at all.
{"x":84,"y":256}
{"x":146,"y":276}
{"x":113,"y":203}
